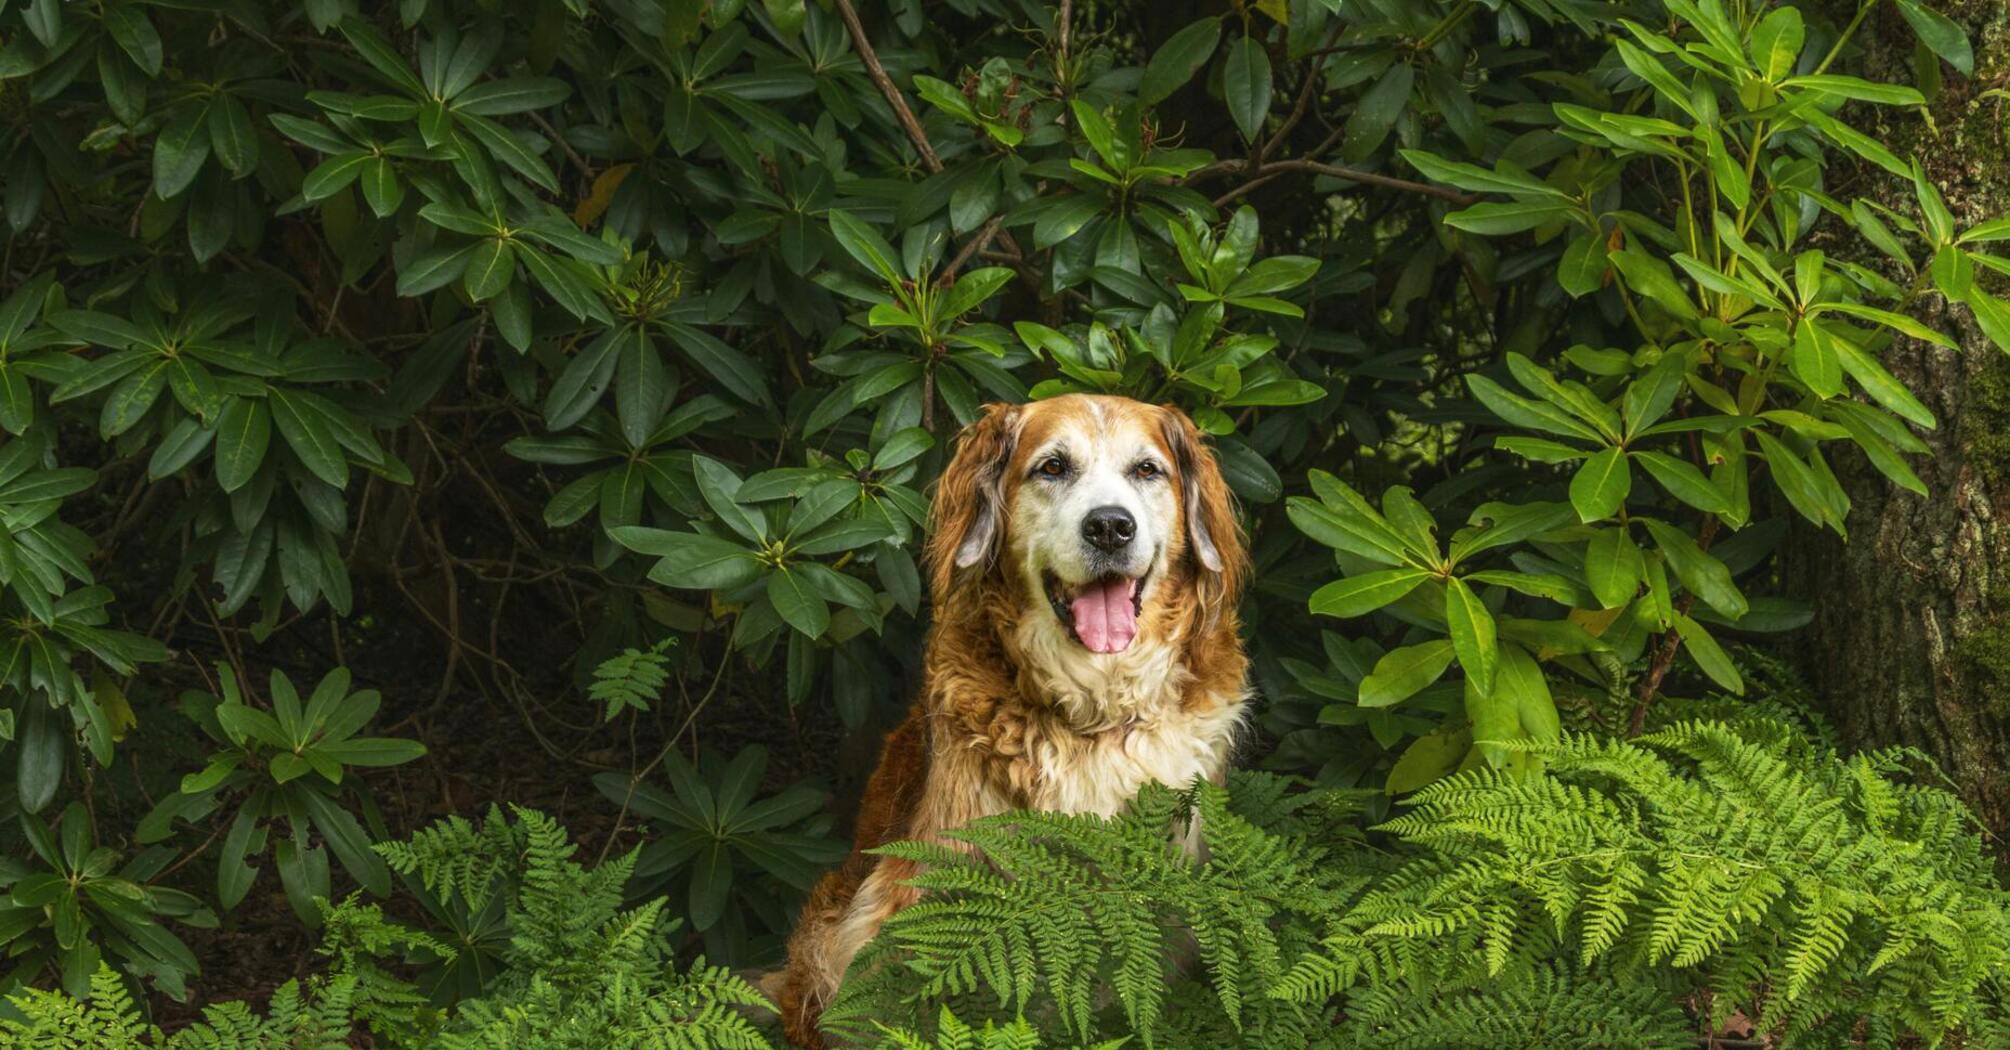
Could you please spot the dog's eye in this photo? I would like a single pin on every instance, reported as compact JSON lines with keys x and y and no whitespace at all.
{"x":1053,"y":467}
{"x":1145,"y":471}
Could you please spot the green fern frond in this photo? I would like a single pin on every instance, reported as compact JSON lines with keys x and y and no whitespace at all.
{"x":1090,"y":919}
{"x":1798,"y":890}
{"x":454,"y":857}
{"x":108,"y":1020}
{"x":634,"y":679}
{"x":952,"y":1034}
{"x":1553,"y":1010}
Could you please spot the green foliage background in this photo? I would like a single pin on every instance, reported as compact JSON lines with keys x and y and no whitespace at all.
{"x":559,"y":385}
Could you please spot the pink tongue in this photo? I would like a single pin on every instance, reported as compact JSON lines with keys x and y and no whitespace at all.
{"x":1104,"y":618}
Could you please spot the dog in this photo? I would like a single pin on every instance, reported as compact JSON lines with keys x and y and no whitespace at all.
{"x":1084,"y":570}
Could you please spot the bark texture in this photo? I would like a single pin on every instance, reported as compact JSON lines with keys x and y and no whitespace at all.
{"x":1911,"y":638}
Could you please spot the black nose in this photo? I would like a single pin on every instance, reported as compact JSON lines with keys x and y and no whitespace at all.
{"x":1109,"y":528}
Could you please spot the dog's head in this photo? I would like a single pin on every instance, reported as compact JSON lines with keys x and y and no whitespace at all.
{"x":1094,"y":510}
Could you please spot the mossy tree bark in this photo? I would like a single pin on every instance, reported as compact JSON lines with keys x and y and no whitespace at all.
{"x":1911,"y":638}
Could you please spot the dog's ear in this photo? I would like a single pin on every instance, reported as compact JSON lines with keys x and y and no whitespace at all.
{"x":967,"y":515}
{"x":1213,"y":534}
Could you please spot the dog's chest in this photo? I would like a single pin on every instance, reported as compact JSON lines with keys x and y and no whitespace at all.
{"x":1101,"y":772}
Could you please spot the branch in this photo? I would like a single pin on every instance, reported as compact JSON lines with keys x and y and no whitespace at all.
{"x":886,"y":86}
{"x":585,"y":169}
{"x":1670,"y":642}
{"x":1261,"y":173}
{"x":1664,"y":658}
{"x":1304,"y":103}
{"x":914,"y":132}
{"x":1226,"y":199}
{"x":970,"y":248}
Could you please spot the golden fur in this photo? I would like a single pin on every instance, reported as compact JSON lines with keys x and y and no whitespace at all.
{"x":1013,"y":714}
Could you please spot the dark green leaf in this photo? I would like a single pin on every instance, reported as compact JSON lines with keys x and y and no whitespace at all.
{"x":641,"y":386}
{"x":489,"y":269}
{"x":1400,"y":673}
{"x":1581,"y":271}
{"x":1178,"y":60}
{"x":1497,"y":219}
{"x":334,"y":175}
{"x":379,"y":53}
{"x":690,"y":561}
{"x":731,"y":367}
{"x":512,"y":95}
{"x":1360,"y":595}
{"x":1704,"y":576}
{"x":1613,"y":566}
{"x":864,"y":243}
{"x":1708,"y":654}
{"x":180,"y":149}
{"x":798,"y":602}
{"x":1473,"y":636}
{"x":1600,"y":486}
{"x":1245,"y":85}
{"x":1941,"y":34}
{"x":129,"y":28}
{"x":585,"y":378}
{"x":242,"y":433}
{"x":381,"y":188}
{"x":1376,"y":114}
{"x":307,"y":432}
{"x":720,"y":488}
{"x":1684,"y":482}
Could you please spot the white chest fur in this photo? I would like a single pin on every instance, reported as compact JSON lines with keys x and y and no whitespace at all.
{"x":1102,"y":772}
{"x":1120,"y":723}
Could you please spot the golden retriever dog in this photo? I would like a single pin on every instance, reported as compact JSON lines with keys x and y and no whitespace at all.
{"x":1083,"y":573}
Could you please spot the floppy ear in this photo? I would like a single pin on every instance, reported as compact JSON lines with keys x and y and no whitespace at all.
{"x":1214,"y":536}
{"x":967,"y":515}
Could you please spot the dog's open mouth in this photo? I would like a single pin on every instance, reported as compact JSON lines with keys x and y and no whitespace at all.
{"x":1102,"y":614}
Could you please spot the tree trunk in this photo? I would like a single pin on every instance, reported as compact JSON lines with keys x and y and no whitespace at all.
{"x":1911,"y":638}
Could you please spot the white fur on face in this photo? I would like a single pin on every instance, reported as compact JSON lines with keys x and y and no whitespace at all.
{"x":1106,"y":457}
{"x":1101,"y":453}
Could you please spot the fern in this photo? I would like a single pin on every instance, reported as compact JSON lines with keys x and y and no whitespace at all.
{"x":1806,"y":893}
{"x":1739,"y":864}
{"x":952,"y":1034}
{"x":457,"y":858}
{"x":1709,"y":866}
{"x":582,"y":971}
{"x":632,"y":679}
{"x":315,"y":1017}
{"x":106,"y":1021}
{"x":359,"y":939}
{"x":1554,"y":1008}
{"x":1087,"y":915}
{"x":294,"y":1020}
{"x":700,"y":1010}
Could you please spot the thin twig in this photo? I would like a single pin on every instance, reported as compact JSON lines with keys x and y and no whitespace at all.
{"x":558,"y":140}
{"x":906,"y":115}
{"x":928,"y":394}
{"x":1251,"y":186}
{"x":635,"y":780}
{"x":1304,"y":103}
{"x":1315,"y":167}
{"x":1664,"y":657}
{"x":189,"y":856}
{"x":970,"y":249}
{"x":886,"y":86}
{"x":453,"y":593}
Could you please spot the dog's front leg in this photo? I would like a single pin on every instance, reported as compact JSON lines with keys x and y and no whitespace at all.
{"x":883,"y":893}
